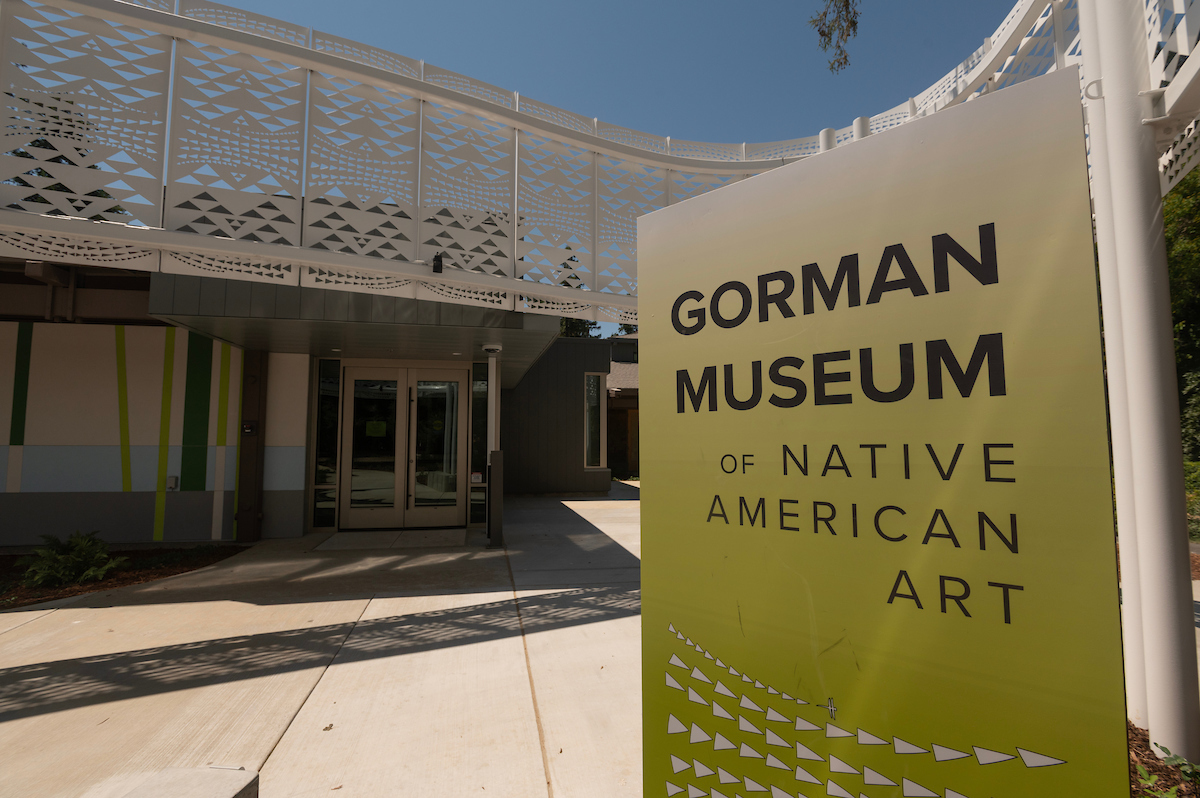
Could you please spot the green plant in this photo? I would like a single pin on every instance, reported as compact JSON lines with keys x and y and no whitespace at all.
{"x":1189,"y":771}
{"x":1148,"y":783}
{"x":1191,"y":484}
{"x":79,"y":558}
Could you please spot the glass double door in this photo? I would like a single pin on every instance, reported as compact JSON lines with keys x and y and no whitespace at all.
{"x":403,"y":448}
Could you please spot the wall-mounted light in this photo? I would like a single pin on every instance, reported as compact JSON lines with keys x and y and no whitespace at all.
{"x":437,"y":263}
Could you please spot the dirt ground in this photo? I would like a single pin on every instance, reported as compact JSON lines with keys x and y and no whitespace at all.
{"x":145,"y":565}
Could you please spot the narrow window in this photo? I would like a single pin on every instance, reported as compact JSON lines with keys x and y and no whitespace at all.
{"x":594,"y":396}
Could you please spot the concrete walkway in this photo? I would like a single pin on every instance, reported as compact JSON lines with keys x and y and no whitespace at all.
{"x":447,"y":671}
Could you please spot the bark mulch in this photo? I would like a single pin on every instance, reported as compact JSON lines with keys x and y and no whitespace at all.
{"x":1195,"y":565}
{"x":145,"y":565}
{"x":1168,"y":776}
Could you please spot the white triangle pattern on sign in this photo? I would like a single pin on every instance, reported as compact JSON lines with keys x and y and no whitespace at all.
{"x":943,"y":754}
{"x":695,"y":697}
{"x":834,"y":731}
{"x":674,"y":725}
{"x":772,"y":691}
{"x":720,"y":712}
{"x":1035,"y":760}
{"x":838,"y":790}
{"x":803,"y":725}
{"x":699,"y":676}
{"x":702,"y":769}
{"x":721,"y":744}
{"x":775,"y":762}
{"x":746,"y":678}
{"x":677,"y":662}
{"x":754,"y":786}
{"x":672,"y":683}
{"x":696,"y":792}
{"x":726,"y":777}
{"x":689,"y":642}
{"x":746,"y":703}
{"x":773,"y":715}
{"x":804,"y":775}
{"x":907,"y":748}
{"x":866,"y":738}
{"x":716,"y":794}
{"x":732,"y":672}
{"x":747,"y":726}
{"x":749,"y":752}
{"x":673,"y":789}
{"x":775,"y":739}
{"x":721,"y":664}
{"x":698,"y":735}
{"x":671,"y":628}
{"x":804,"y":752}
{"x":954,"y":794}
{"x":778,"y":793}
{"x":678,"y":764}
{"x":838,"y":766}
{"x":759,"y":685}
{"x":876,"y":778}
{"x":723,"y":690}
{"x":787,"y":697}
{"x":680,"y":635}
{"x":914,"y":790}
{"x":987,"y":757}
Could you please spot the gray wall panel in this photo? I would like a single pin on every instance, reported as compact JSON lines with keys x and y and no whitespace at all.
{"x":237,"y":298}
{"x":188,"y":516}
{"x":542,"y":431}
{"x":118,"y":517}
{"x":283,"y":513}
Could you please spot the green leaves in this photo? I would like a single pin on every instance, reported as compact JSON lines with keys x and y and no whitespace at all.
{"x":80,"y":558}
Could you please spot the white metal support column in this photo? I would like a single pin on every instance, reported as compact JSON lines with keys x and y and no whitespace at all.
{"x":1114,"y":354}
{"x":1169,"y":636}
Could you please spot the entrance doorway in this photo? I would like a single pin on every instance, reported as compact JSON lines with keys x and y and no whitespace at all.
{"x":403,"y":447}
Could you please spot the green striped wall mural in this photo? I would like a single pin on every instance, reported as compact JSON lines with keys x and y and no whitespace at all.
{"x":197,"y":390}
{"x":20,"y":400}
{"x":98,"y":412}
{"x":123,"y":410}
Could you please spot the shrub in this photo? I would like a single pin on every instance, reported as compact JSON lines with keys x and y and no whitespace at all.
{"x":1191,"y":481}
{"x":80,"y":558}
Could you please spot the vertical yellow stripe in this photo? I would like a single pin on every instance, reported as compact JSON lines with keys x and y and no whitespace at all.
{"x":237,"y":469}
{"x":223,"y":399}
{"x":164,"y":434}
{"x":123,"y":411}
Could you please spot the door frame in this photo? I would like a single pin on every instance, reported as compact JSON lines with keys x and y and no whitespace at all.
{"x":464,"y":366}
{"x":375,"y":517}
{"x":414,"y":517}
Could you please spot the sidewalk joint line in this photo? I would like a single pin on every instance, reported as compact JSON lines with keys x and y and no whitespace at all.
{"x":537,"y":715}
{"x":318,"y":681}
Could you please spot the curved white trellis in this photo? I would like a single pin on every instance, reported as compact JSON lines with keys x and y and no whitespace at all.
{"x":338,"y":164}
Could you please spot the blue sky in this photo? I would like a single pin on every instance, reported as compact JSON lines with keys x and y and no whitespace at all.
{"x":700,"y":70}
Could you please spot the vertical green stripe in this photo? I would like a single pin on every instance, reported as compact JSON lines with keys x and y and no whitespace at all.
{"x":123,"y":411}
{"x":197,"y":394}
{"x":16,"y":430}
{"x":223,"y":398}
{"x":237,"y":434}
{"x":164,"y":434}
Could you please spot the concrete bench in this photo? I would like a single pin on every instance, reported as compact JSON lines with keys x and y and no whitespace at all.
{"x":199,"y":783}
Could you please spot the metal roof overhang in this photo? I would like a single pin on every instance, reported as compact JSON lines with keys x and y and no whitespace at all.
{"x":339,"y":324}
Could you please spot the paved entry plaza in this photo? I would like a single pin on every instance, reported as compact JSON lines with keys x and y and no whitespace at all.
{"x":357,"y":664}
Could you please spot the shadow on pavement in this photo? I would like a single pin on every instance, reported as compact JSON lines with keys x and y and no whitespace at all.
{"x":84,"y":681}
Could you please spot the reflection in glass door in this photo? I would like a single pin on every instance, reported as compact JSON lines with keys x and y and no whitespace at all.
{"x":439,"y":414}
{"x":372,"y":486}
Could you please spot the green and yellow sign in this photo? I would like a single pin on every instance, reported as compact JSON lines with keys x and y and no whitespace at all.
{"x":877,"y":519}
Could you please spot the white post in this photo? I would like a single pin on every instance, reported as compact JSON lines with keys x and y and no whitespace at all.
{"x":827,"y":139}
{"x":1169,"y":637}
{"x":1114,"y":354}
{"x":493,"y":405}
{"x":862,"y":127}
